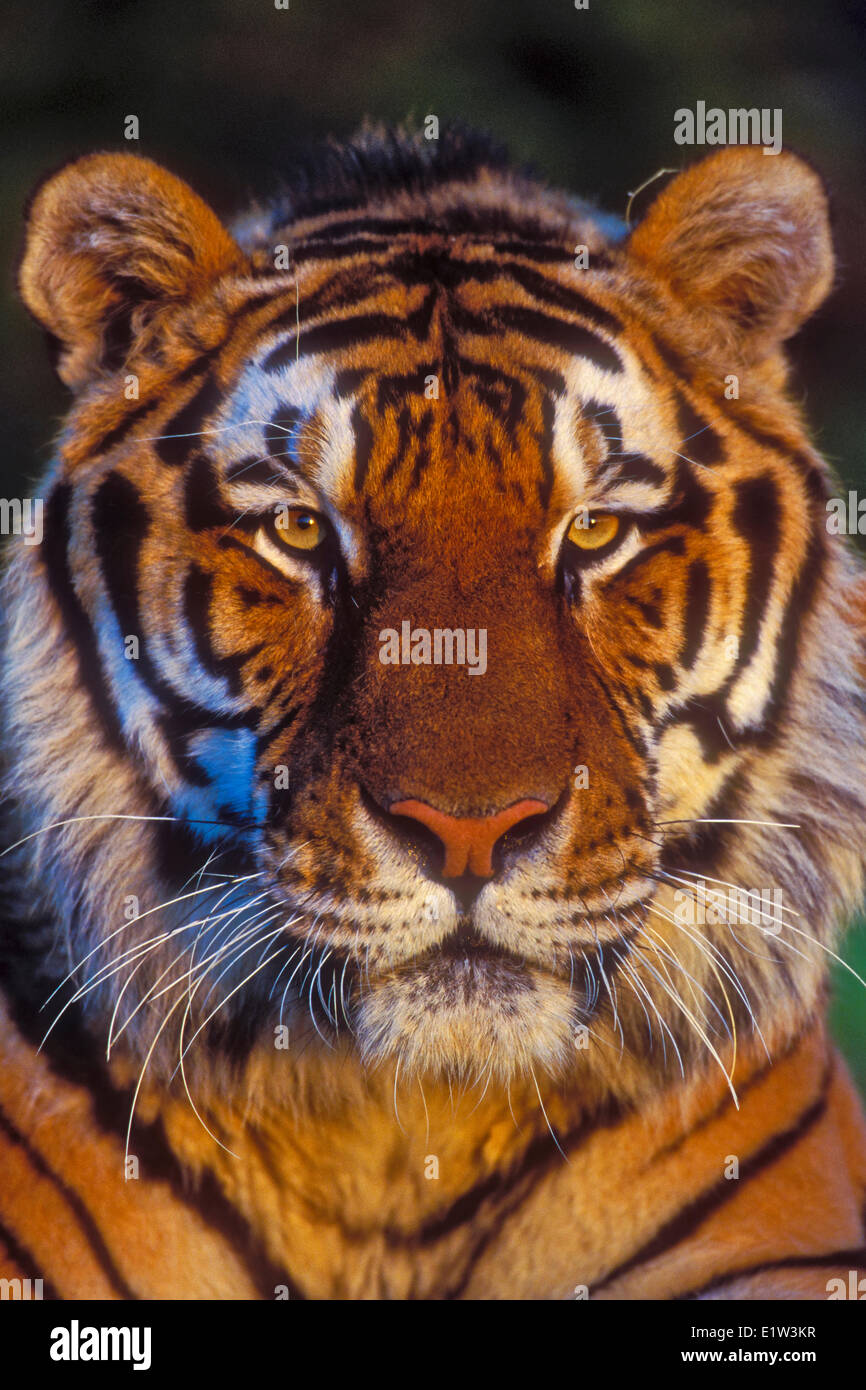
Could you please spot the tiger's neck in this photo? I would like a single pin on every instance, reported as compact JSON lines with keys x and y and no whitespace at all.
{"x":326,"y":1193}
{"x":361,"y":1190}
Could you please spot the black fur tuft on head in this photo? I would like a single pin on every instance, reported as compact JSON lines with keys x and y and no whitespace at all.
{"x":379,"y":160}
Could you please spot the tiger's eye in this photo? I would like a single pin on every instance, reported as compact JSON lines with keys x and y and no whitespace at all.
{"x":593,"y":530}
{"x":299,"y":528}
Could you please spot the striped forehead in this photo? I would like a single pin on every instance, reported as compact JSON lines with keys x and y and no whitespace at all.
{"x":609,"y":439}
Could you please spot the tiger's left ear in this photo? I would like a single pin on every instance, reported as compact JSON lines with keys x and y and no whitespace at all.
{"x":108,"y":236}
{"x":745,"y":238}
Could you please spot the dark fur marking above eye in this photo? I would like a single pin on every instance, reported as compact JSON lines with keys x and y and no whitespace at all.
{"x":203,"y":507}
{"x":691,"y":504}
{"x":256,"y":471}
{"x":186,"y":425}
{"x":281,"y":433}
{"x":606,"y":419}
{"x":637,"y":468}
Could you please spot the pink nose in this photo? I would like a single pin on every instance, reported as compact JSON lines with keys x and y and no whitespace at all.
{"x":468,"y":840}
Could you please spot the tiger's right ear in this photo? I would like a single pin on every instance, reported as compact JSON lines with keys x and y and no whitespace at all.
{"x":109,"y":237}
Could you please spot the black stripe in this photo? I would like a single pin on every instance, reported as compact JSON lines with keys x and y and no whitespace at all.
{"x":121,"y":522}
{"x":834,"y":1259}
{"x":648,"y":611}
{"x":672,"y":358}
{"x":91,"y":1231}
{"x":257,"y":472}
{"x":707,"y":716}
{"x":551,"y":380}
{"x":285,"y":722}
{"x":392,"y":388}
{"x":698,"y":440}
{"x":511,"y":1190}
{"x":697,"y":611}
{"x":327,"y":252}
{"x":26,"y":1263}
{"x":569,"y":337}
{"x":203,"y":508}
{"x":55,"y":554}
{"x":501,"y":392}
{"x":73,"y":1055}
{"x":606,"y":418}
{"x":756,"y":516}
{"x":563,"y":298}
{"x":804,"y":595}
{"x":348,"y":380}
{"x":440,"y":267}
{"x":379,"y":226}
{"x":690,"y":506}
{"x":335,"y":336}
{"x":693,"y":1215}
{"x":119,"y":433}
{"x":363,"y":445}
{"x":545,"y":444}
{"x":637,"y":468}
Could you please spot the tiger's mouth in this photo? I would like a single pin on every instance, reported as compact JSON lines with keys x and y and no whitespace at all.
{"x":466,"y":957}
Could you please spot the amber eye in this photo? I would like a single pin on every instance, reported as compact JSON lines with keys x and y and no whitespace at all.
{"x":593,"y":530}
{"x":299,"y":528}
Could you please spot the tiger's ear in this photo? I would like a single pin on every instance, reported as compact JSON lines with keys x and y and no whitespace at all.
{"x":744,"y":238}
{"x":109,"y":235}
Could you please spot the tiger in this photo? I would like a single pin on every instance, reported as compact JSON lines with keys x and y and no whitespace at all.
{"x":434,"y":743}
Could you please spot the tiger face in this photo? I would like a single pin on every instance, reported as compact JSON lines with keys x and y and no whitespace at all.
{"x":441,"y":594}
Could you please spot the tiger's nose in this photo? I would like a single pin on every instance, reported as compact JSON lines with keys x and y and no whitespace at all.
{"x":468,"y":841}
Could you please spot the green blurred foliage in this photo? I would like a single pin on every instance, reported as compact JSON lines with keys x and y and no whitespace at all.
{"x":227,"y":91}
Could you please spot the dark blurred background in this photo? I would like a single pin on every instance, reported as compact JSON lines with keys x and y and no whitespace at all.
{"x":226,"y":91}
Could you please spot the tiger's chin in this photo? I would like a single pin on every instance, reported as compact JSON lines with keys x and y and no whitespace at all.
{"x":468,"y":1015}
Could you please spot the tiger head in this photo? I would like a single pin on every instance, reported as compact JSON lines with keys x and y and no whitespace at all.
{"x":436,"y":633}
